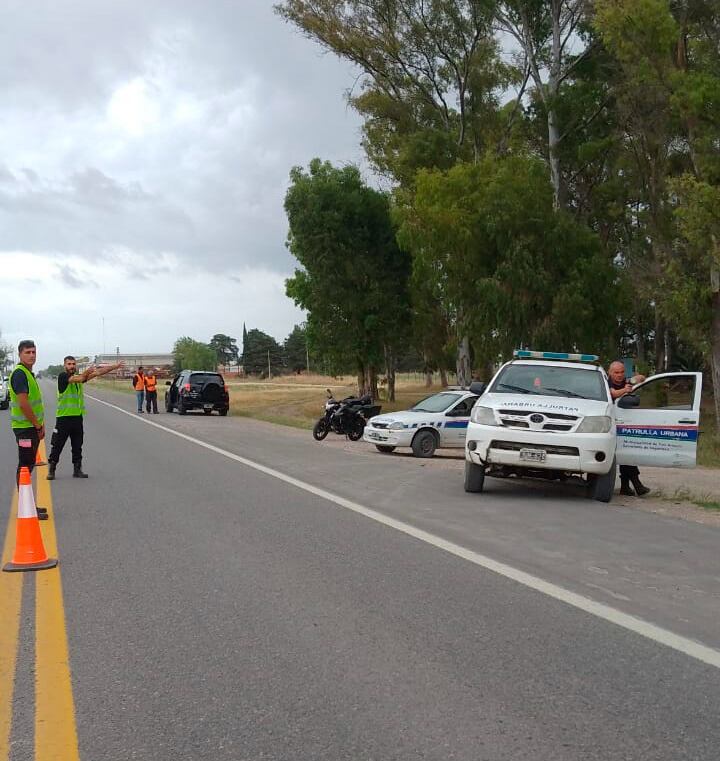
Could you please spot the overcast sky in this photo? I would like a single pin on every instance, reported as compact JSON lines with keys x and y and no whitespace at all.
{"x":144,"y":156}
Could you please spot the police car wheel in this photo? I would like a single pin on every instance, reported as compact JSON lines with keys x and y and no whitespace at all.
{"x":474,"y":477}
{"x":424,"y":444}
{"x":384,"y":448}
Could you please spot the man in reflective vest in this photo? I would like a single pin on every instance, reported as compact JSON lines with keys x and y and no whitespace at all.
{"x":70,"y":411}
{"x":151,"y":391}
{"x":27,"y":416}
{"x":138,"y":381}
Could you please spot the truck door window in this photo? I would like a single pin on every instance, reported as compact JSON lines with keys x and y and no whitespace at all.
{"x":668,"y":393}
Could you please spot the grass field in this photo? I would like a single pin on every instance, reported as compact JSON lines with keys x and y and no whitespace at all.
{"x":297,"y":400}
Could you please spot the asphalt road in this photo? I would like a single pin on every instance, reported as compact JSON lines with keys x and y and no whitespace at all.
{"x":215,"y":611}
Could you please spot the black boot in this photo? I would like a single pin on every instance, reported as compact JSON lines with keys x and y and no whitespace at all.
{"x":77,"y":471}
{"x":640,"y":489}
{"x":625,"y":488}
{"x":51,"y":471}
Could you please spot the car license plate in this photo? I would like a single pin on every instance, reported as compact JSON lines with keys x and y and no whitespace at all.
{"x":534,"y":455}
{"x":207,"y":406}
{"x":378,"y":436}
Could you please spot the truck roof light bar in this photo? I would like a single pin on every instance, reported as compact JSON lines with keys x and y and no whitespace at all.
{"x":526,"y":354}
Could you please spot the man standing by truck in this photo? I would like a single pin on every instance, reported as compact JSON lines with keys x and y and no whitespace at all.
{"x":620,"y":386}
{"x":70,"y":411}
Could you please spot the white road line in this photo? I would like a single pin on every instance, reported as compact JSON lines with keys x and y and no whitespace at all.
{"x":639,"y":626}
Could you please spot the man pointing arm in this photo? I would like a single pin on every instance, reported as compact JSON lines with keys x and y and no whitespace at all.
{"x":70,"y":411}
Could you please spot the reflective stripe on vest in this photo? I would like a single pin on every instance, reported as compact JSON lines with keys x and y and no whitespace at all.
{"x":150,"y":383}
{"x":71,"y":403}
{"x":17,"y":416}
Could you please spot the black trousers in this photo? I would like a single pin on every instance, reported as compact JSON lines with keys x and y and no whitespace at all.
{"x":67,"y":428}
{"x":28,"y":441}
{"x":151,"y":398}
{"x":628,"y":472}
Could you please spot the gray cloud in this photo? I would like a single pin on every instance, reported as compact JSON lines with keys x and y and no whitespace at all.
{"x":167,"y":127}
{"x":73,"y":279}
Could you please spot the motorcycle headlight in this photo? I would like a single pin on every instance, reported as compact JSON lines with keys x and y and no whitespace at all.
{"x":483,"y":415}
{"x":396,"y":426}
{"x":595,"y":424}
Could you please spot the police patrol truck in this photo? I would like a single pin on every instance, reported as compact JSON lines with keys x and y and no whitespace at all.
{"x":550,"y":415}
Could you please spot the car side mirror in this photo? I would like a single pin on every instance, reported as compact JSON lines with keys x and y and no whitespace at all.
{"x":628,"y":401}
{"x":478,"y":387}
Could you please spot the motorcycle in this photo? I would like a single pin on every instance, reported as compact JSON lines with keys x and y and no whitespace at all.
{"x":346,"y":417}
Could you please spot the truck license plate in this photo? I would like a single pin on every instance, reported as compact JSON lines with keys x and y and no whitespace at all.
{"x":534,"y":455}
{"x":207,"y":406}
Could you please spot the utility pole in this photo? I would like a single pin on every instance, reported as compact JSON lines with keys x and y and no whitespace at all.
{"x":307,"y":358}
{"x":268,"y":364}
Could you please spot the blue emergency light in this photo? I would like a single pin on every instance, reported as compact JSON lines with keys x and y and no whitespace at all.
{"x":526,"y":354}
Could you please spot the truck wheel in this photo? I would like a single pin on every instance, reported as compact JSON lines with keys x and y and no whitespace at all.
{"x":474,"y":477}
{"x":384,"y":448}
{"x":603,"y":486}
{"x":424,"y":444}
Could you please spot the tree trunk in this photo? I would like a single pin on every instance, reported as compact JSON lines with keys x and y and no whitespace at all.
{"x":428,"y":378}
{"x":390,"y":373}
{"x":715,"y":349}
{"x":551,"y":104}
{"x":371,"y":384}
{"x":361,"y":375}
{"x":443,"y":377}
{"x":659,"y":343}
{"x":463,"y":362}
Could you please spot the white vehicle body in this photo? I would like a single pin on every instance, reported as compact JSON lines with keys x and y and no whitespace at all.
{"x":530,"y":427}
{"x":4,"y":393}
{"x":443,"y":420}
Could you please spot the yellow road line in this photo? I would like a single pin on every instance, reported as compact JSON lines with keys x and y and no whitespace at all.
{"x":10,"y":601}
{"x":55,"y":730}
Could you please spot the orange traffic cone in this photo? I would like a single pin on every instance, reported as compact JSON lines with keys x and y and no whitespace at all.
{"x":38,"y":458}
{"x":30,"y":552}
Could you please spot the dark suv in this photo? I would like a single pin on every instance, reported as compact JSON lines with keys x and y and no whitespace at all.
{"x":197,"y":390}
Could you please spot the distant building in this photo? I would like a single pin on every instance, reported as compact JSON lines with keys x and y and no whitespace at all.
{"x":161,"y":363}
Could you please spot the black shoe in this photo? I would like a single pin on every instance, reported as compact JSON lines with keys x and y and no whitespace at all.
{"x":77,"y":473}
{"x":626,"y":489}
{"x":41,"y":510}
{"x":640,"y":489}
{"x":51,"y":472}
{"x":43,"y":516}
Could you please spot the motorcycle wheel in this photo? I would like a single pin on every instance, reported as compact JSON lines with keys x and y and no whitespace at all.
{"x":356,"y":432}
{"x":320,"y":429}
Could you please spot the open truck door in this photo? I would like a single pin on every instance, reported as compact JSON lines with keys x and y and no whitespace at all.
{"x":657,"y":425}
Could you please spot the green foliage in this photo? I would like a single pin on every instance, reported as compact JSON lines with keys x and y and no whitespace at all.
{"x":225,"y":348}
{"x":354,"y":277}
{"x":53,"y":370}
{"x":260,"y":351}
{"x":513,"y":270}
{"x":193,"y":355}
{"x":295,"y":349}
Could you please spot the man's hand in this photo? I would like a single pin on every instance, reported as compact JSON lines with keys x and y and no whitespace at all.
{"x":41,"y":432}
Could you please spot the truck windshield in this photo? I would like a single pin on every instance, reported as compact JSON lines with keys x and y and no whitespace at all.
{"x":573,"y":382}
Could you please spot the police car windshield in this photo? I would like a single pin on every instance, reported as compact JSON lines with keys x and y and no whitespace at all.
{"x":549,"y":380}
{"x":436,"y":403}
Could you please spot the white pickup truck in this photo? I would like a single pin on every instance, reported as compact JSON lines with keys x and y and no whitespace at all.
{"x":551,"y":415}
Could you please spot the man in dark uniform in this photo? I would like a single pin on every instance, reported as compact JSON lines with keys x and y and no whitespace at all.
{"x":620,"y":386}
{"x":27,"y":415}
{"x":70,"y":411}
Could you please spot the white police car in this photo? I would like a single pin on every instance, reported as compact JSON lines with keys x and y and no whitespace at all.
{"x":551,"y":415}
{"x":439,"y":420}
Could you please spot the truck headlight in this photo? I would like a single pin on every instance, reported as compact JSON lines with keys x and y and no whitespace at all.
{"x":483,"y":415}
{"x":396,"y":426}
{"x":595,"y":424}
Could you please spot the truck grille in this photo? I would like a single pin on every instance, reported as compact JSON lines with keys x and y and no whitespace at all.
{"x":516,"y":446}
